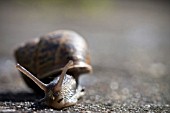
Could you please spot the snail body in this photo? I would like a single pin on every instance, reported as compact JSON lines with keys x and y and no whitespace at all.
{"x":55,"y":61}
{"x":45,"y":56}
{"x":59,"y":93}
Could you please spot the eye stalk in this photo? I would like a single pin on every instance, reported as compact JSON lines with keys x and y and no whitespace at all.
{"x":63,"y":73}
{"x":55,"y":90}
{"x":32,"y":77}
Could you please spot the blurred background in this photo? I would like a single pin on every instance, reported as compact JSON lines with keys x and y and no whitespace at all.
{"x":129,"y":41}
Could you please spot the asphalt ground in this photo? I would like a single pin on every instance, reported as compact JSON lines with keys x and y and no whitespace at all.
{"x":129,"y":45}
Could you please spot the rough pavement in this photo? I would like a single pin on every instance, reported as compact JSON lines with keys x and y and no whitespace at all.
{"x":129,"y":44}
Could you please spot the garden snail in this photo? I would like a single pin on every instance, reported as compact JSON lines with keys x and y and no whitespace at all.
{"x":48,"y":59}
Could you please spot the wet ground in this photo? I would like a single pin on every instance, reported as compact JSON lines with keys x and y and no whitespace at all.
{"x":129,"y":45}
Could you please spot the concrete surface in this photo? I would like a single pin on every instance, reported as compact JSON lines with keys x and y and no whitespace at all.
{"x":129,"y":44}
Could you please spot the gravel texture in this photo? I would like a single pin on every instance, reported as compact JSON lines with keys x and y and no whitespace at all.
{"x":25,"y":102}
{"x":88,"y":104}
{"x":129,"y":45}
{"x":121,"y":94}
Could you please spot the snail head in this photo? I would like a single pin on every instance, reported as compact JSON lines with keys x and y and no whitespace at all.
{"x":53,"y":89}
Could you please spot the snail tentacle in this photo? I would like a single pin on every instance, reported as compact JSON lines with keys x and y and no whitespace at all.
{"x":32,"y":77}
{"x":60,"y":81}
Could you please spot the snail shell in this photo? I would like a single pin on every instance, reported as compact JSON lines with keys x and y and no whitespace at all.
{"x":46,"y":56}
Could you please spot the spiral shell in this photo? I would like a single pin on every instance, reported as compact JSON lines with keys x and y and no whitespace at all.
{"x":46,"y":56}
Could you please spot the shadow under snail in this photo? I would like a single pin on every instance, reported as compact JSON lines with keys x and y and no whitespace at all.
{"x":55,"y":61}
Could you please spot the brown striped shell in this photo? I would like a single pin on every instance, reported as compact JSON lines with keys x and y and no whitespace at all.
{"x":45,"y":57}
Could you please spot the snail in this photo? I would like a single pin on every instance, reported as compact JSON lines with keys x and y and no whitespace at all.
{"x":61,"y":91}
{"x":54,"y":63}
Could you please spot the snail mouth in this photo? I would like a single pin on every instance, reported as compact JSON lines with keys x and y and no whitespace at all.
{"x":77,"y":69}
